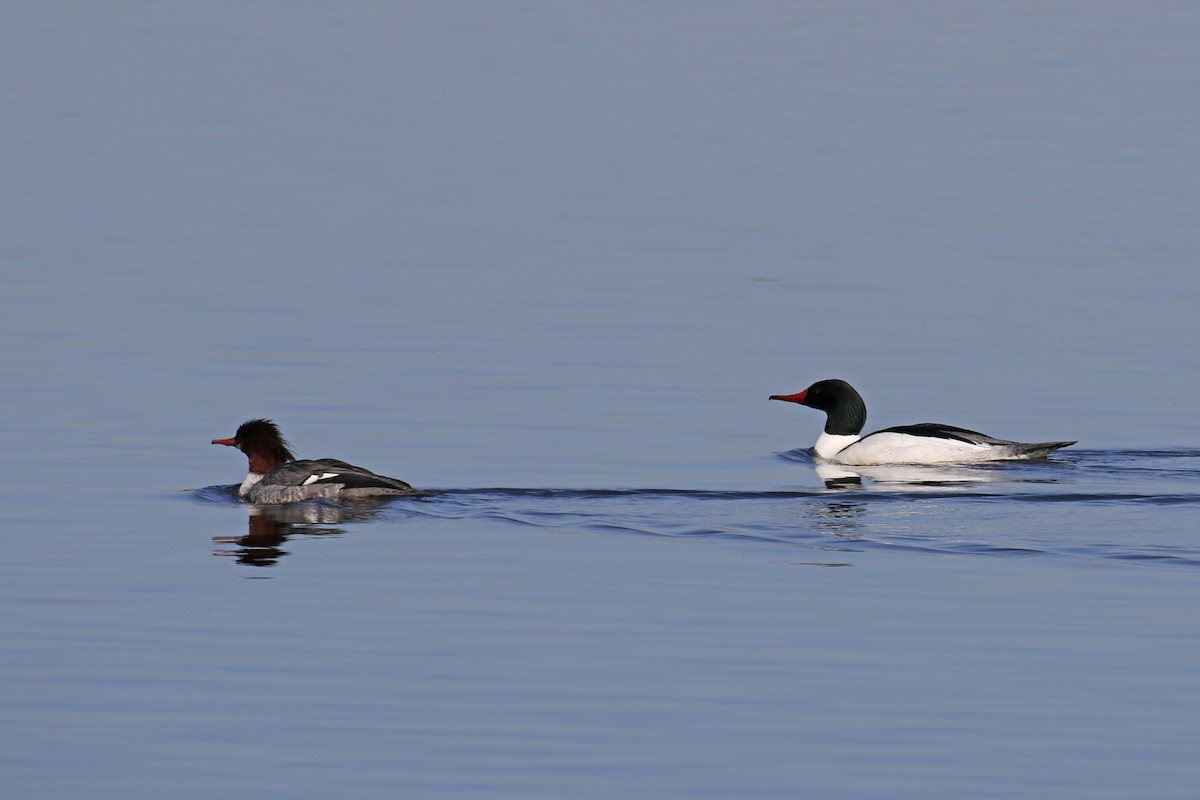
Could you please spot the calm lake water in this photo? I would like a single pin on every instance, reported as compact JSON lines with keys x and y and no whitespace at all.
{"x":548,"y":261}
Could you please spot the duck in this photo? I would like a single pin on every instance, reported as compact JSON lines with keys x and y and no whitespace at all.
{"x":276,"y":476}
{"x":841,"y":441}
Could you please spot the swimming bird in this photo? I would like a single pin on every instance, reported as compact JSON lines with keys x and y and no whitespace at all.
{"x":277,"y":477}
{"x":924,"y":443}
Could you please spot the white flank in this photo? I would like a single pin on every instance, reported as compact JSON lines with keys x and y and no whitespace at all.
{"x":904,"y":448}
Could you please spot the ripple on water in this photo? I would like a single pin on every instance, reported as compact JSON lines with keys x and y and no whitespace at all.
{"x":1090,"y":504}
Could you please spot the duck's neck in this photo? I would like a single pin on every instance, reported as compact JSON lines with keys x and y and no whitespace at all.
{"x":847,"y":418}
{"x":262,"y":463}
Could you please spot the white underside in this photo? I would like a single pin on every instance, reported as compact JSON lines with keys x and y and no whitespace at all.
{"x":900,"y":448}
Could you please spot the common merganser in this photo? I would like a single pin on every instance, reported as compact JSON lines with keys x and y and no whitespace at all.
{"x":277,"y":477}
{"x":924,"y":443}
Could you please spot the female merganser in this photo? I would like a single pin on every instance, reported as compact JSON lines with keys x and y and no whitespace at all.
{"x":924,"y":443}
{"x":277,"y":477}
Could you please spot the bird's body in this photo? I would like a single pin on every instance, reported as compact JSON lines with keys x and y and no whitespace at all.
{"x":276,"y":476}
{"x":925,"y":443}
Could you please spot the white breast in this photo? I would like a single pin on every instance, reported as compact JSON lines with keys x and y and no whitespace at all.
{"x":251,"y":479}
{"x":830,"y":444}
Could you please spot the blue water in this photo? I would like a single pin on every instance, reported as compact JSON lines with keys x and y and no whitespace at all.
{"x":548,"y":262}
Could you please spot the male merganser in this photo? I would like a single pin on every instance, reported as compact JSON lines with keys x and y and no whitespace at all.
{"x":924,"y":443}
{"x":277,"y":477}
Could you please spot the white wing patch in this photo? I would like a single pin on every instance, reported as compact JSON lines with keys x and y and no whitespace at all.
{"x":314,"y":478}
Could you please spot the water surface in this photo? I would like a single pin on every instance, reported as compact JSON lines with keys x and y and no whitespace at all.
{"x":548,"y":262}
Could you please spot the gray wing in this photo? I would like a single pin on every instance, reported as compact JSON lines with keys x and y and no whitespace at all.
{"x":326,"y":471}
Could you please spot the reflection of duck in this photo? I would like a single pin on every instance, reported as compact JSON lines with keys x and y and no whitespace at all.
{"x":277,"y":477}
{"x":269,"y":526}
{"x":262,"y":544}
{"x":914,"y":475}
{"x":924,"y":443}
{"x":843,"y":520}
